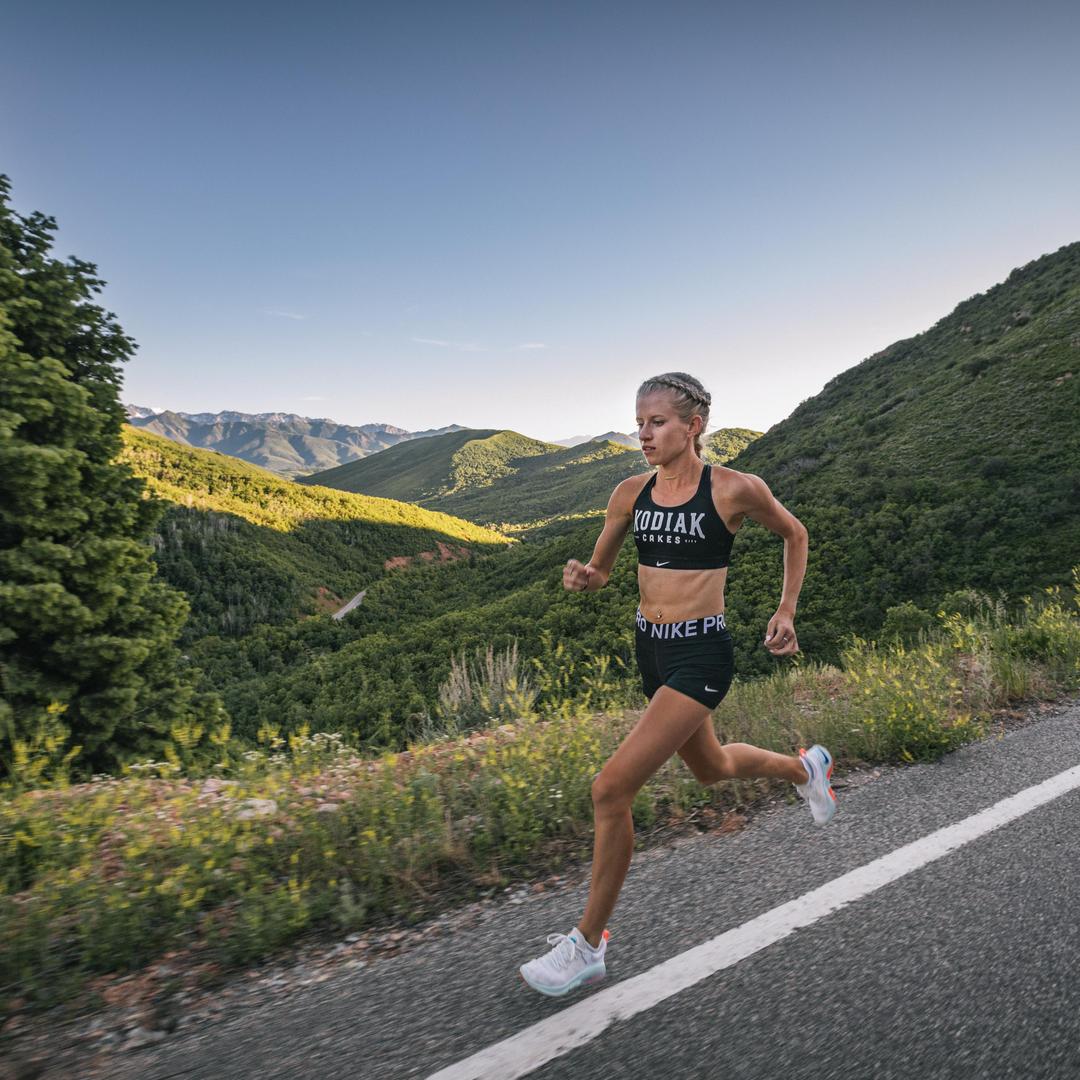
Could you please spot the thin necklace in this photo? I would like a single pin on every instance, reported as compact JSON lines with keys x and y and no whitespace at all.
{"x":670,"y":476}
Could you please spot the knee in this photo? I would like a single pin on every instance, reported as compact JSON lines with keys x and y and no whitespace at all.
{"x":608,"y":795}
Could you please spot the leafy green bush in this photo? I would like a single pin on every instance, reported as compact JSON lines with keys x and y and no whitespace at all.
{"x":907,"y":622}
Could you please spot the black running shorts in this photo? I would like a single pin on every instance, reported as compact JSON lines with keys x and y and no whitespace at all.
{"x":695,"y":657}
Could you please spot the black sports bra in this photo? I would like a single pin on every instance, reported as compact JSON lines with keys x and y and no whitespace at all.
{"x":692,"y":536}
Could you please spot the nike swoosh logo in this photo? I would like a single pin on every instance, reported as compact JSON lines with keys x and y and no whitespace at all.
{"x":663,"y":563}
{"x":711,"y":689}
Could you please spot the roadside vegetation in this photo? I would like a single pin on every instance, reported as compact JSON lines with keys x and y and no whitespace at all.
{"x":234,"y":853}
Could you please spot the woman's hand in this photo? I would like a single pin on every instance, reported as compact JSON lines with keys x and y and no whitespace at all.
{"x":576,"y":576}
{"x":780,"y":637}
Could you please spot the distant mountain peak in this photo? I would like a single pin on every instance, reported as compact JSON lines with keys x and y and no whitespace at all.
{"x":610,"y":436}
{"x":285,"y":443}
{"x":617,"y":437}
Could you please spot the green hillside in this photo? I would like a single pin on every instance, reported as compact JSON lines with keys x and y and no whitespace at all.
{"x":720,"y":446}
{"x":427,"y":469}
{"x":377,"y":673}
{"x":249,"y":547}
{"x":948,"y":460}
{"x":563,"y":481}
{"x":481,"y":476}
{"x":568,"y":481}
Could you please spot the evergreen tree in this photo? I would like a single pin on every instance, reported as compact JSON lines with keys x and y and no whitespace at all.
{"x":83,"y":622}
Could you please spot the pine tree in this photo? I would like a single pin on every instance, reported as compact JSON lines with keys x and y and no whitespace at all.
{"x":83,"y":621}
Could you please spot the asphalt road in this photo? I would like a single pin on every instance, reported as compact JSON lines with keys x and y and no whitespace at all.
{"x":966,"y":967}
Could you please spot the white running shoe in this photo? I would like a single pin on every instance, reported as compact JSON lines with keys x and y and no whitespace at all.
{"x":817,"y":791}
{"x":573,"y":962}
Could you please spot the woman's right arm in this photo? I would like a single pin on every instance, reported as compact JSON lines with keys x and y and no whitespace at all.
{"x":594,"y":575}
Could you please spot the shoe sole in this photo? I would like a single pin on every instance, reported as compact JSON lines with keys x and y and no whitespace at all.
{"x":588,"y":977}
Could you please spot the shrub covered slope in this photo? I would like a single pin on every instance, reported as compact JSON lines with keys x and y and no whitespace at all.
{"x":948,"y":460}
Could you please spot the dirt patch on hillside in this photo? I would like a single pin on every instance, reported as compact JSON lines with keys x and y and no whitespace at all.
{"x":444,"y":553}
{"x":326,"y":602}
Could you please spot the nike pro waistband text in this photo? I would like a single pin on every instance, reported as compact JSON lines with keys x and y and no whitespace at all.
{"x":688,"y":628}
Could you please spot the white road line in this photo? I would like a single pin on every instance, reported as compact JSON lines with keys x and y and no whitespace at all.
{"x":576,"y":1025}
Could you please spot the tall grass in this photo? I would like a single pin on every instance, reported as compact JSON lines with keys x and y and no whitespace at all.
{"x":491,"y":688}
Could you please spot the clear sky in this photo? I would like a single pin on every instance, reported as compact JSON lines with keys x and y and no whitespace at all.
{"x":509,"y":214}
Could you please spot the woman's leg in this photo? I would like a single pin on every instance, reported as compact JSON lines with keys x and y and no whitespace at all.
{"x":663,"y":728}
{"x":710,"y":761}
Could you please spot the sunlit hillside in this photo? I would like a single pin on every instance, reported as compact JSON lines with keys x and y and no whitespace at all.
{"x":247,"y":546}
{"x":569,"y":482}
{"x":501,"y":478}
{"x":425,"y":470}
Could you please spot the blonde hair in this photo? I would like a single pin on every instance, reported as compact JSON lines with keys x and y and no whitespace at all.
{"x":688,"y":396}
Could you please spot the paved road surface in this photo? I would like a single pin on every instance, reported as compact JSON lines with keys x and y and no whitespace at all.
{"x":967,"y":967}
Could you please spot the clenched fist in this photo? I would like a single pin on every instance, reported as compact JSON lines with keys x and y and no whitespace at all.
{"x":576,"y":576}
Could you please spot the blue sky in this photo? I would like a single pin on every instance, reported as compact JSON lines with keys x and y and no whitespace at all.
{"x":508,"y":215}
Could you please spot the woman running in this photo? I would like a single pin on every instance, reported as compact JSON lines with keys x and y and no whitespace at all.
{"x":684,"y":516}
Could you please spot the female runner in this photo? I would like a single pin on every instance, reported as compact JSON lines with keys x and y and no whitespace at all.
{"x":684,"y":517}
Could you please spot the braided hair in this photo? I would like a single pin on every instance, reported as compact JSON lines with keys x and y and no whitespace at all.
{"x":688,"y":396}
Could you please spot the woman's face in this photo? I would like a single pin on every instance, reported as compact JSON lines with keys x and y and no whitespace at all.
{"x":662,"y":434}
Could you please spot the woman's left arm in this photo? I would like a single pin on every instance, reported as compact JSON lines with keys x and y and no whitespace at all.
{"x":758,"y":502}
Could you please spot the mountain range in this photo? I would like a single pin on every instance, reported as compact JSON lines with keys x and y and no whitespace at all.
{"x":284,"y":443}
{"x":292,"y":445}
